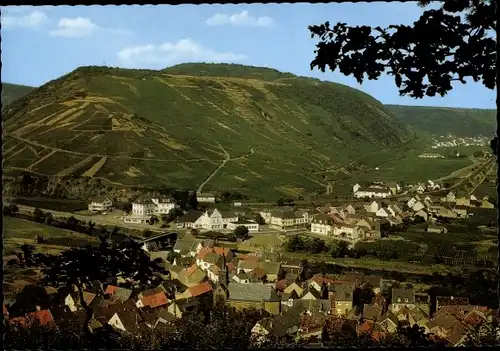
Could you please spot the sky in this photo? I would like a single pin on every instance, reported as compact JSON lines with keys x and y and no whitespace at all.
{"x":42,"y":43}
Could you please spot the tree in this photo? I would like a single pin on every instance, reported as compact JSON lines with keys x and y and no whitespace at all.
{"x":154,"y":219}
{"x":258,"y":218}
{"x":91,"y":227}
{"x":241,"y":232}
{"x":49,"y":218}
{"x":295,"y":243}
{"x":72,"y":222}
{"x":280,"y":202}
{"x":192,"y":201}
{"x":425,"y":59}
{"x":79,"y":267}
{"x":38,"y":215}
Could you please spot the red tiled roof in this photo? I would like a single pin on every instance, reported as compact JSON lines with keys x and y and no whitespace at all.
{"x":191,"y":270}
{"x":111,"y":289}
{"x":203,"y":252}
{"x":155,"y":300}
{"x":231,"y":267}
{"x":221,"y":250}
{"x":252,"y":258}
{"x":281,"y":285}
{"x":200,"y":289}
{"x":366,"y":327}
{"x":43,"y":317}
{"x":88,"y":297}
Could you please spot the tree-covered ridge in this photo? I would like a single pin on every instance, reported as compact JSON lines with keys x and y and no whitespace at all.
{"x":138,"y":127}
{"x":447,"y":120}
{"x":11,"y":92}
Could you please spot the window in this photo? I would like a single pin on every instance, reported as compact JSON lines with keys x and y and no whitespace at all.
{"x":406,"y":299}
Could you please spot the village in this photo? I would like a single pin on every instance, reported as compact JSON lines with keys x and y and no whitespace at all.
{"x":203,"y":271}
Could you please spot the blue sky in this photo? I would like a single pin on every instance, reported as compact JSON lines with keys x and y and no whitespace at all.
{"x":43,"y":43}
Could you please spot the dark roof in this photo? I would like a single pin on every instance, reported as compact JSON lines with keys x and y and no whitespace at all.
{"x":399,"y":296}
{"x":291,"y":262}
{"x":342,"y":291}
{"x":284,"y":213}
{"x":185,"y":245}
{"x":252,"y":292}
{"x":372,"y":312}
{"x":189,"y":217}
{"x":451,"y":300}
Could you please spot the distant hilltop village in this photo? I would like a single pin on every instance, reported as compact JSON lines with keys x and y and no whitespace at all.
{"x":453,"y":141}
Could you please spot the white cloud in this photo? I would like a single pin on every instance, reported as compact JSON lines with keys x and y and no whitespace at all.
{"x":185,"y":50}
{"x":78,"y":27}
{"x":15,"y":19}
{"x":242,"y":19}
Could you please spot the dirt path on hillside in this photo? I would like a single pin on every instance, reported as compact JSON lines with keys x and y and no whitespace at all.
{"x":226,"y":159}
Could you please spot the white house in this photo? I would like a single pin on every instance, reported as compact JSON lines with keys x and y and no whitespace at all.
{"x":417,"y":206}
{"x":206,"y":197}
{"x":348,"y":231}
{"x":383,"y":212}
{"x":285,"y":218}
{"x":355,"y":188}
{"x":373,"y":207}
{"x":162,"y":206}
{"x":143,"y":208}
{"x":373,"y":192}
{"x":266,"y":215}
{"x":215,"y":219}
{"x":322,"y":224}
{"x":100,"y":204}
{"x":252,"y":226}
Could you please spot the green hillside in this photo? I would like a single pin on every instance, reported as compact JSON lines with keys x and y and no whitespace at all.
{"x":266,"y":133}
{"x":11,"y":92}
{"x":444,"y":120}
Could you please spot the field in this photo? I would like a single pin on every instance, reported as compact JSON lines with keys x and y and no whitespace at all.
{"x":17,"y":232}
{"x":278,"y":133}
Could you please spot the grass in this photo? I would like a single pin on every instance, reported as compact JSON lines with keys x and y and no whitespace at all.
{"x":17,"y":232}
{"x":173,"y":127}
{"x":53,"y":204}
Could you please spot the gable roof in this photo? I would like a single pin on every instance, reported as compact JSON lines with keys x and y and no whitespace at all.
{"x":44,"y":317}
{"x":252,"y":292}
{"x":186,"y":245}
{"x":190,"y":217}
{"x":154,"y":297}
{"x":403,"y":294}
{"x":200,"y":289}
{"x":372,"y":312}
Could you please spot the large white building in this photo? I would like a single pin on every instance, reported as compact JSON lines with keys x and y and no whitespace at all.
{"x":152,"y":207}
{"x":372,"y":192}
{"x":215,"y":219}
{"x":252,"y":226}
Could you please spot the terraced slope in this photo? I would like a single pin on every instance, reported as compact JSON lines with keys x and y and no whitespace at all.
{"x":11,"y":92}
{"x":443,"y":120}
{"x":261,"y":136}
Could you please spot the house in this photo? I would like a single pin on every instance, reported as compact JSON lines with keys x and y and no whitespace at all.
{"x":417,"y":206}
{"x":126,"y":321}
{"x":436,"y":229}
{"x":163,"y":205}
{"x":394,"y":187}
{"x":241,"y":278}
{"x":72,"y":300}
{"x":266,"y":215}
{"x":100,"y":204}
{"x":383,"y":212}
{"x":184,"y":262}
{"x":373,"y":192}
{"x":341,"y":295}
{"x":292,"y":266}
{"x":278,"y":326}
{"x":430,"y":155}
{"x":412,"y":201}
{"x":486,"y":204}
{"x":462,"y":201}
{"x":187,"y":247}
{"x":310,"y":293}
{"x":294,"y":287}
{"x":191,"y":276}
{"x":461,"y":211}
{"x":361,"y":280}
{"x":215,"y":219}
{"x":450,"y":197}
{"x":388,"y":322}
{"x":422,"y":214}
{"x":272,"y":270}
{"x":143,"y":208}
{"x":322,"y":224}
{"x":252,"y":226}
{"x":284,"y":218}
{"x":190,"y":219}
{"x":402,"y":298}
{"x":371,"y":312}
{"x":355,"y":188}
{"x":206,"y":197}
{"x":118,"y":293}
{"x":446,"y":301}
{"x":206,"y":258}
{"x":348,"y":232}
{"x":152,"y":298}
{"x":204,"y":289}
{"x":43,"y":317}
{"x":252,"y":295}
